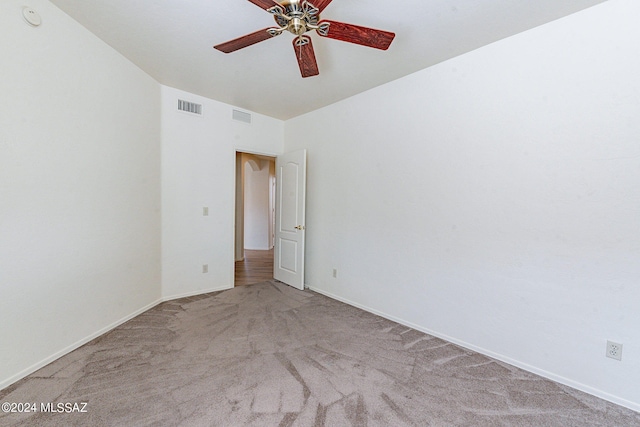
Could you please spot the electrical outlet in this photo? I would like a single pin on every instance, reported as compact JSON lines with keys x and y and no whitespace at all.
{"x":335,"y":273}
{"x":205,"y":268}
{"x":614,"y":350}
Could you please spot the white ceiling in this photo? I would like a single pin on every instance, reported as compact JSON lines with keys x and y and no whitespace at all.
{"x":172,"y":41}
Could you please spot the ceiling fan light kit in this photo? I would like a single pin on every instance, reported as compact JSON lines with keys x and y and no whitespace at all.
{"x":299,"y":17}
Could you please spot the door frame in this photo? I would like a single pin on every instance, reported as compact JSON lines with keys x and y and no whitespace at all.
{"x":237,"y":151}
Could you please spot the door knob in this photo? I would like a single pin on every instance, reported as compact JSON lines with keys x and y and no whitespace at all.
{"x":299,"y":227}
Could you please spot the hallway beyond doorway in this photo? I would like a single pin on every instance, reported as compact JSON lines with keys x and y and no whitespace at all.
{"x":256,"y":267}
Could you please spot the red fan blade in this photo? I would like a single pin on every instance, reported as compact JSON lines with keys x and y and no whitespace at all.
{"x":360,"y":35}
{"x":244,"y":41}
{"x":320,"y":4}
{"x":265,"y":4}
{"x":305,"y":56}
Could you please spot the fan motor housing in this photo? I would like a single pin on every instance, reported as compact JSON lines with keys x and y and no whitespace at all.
{"x":299,"y":16}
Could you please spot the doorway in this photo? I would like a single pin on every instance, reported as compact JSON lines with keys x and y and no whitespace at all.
{"x":255,"y":218}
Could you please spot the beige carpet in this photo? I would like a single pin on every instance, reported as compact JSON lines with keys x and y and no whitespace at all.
{"x":270,"y":355}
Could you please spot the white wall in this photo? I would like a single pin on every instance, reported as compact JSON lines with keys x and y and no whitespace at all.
{"x":79,"y":188}
{"x":256,"y":206}
{"x":198,"y":170}
{"x":494,"y":199}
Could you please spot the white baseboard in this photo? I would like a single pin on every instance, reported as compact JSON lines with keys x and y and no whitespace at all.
{"x":549,"y":375}
{"x":194,"y":293}
{"x":31,"y":369}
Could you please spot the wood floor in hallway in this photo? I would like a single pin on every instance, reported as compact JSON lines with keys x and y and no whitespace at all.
{"x":256,"y":267}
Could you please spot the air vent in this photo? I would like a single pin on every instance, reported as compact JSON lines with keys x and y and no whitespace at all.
{"x":241,"y":116}
{"x":189,"y":107}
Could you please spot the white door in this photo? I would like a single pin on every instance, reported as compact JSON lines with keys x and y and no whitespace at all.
{"x":291,"y":178}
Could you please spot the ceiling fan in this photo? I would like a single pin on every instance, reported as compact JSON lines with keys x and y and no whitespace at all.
{"x":301,"y":16}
